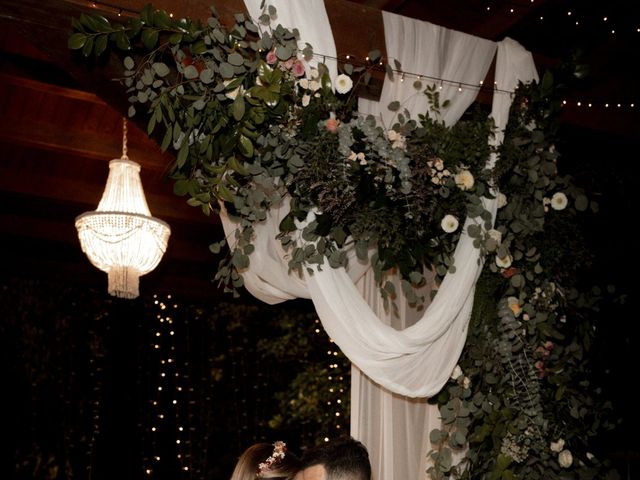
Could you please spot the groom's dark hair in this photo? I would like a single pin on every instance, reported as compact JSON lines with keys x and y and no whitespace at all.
{"x":343,"y":459}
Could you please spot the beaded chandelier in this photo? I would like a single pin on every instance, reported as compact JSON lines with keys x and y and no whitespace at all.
{"x":121,"y":237}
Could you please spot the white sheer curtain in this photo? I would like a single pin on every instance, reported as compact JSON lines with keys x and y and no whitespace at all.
{"x":416,"y":360}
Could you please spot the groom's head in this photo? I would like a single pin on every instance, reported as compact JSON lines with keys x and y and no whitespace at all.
{"x":341,"y":459}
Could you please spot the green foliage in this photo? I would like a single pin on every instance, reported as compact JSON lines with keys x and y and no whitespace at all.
{"x":522,"y":399}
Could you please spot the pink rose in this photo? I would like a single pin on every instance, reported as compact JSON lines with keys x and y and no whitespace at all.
{"x":332,"y":125}
{"x":298,"y":69}
{"x":288,"y":64}
{"x":271,"y":57}
{"x":549,"y":345}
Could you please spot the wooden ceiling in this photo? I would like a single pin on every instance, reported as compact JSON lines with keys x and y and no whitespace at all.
{"x":61,"y":124}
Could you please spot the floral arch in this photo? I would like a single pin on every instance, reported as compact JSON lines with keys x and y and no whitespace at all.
{"x":315,"y":196}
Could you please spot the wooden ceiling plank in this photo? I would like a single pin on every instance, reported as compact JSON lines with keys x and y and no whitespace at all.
{"x":71,"y":189}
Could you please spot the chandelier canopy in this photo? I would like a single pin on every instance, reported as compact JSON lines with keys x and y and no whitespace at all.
{"x":121,"y":237}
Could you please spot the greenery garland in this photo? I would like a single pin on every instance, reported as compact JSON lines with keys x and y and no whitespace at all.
{"x":252,"y":125}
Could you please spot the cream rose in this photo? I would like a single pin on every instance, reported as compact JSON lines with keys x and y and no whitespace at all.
{"x":557,"y":446}
{"x":449,"y":223}
{"x":565,"y":459}
{"x":502,"y":200}
{"x":464,"y":180}
{"x":457,"y":371}
{"x":343,"y":83}
{"x":504,"y":262}
{"x":496,"y":235}
{"x":559,"y":201}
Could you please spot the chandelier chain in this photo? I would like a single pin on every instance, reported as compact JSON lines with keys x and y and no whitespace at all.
{"x":124,"y":138}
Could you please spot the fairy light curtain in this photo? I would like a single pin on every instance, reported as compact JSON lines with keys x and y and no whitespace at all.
{"x":416,"y":359}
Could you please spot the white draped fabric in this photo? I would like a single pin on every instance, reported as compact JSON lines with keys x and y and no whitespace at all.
{"x":415,"y":359}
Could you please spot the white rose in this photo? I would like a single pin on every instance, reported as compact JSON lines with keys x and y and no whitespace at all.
{"x":449,"y":223}
{"x":392,"y":135}
{"x":343,"y":83}
{"x":496,"y":235}
{"x":439,"y":164}
{"x":305,"y":100}
{"x":502,"y":200}
{"x":464,"y":179}
{"x":557,"y":446}
{"x":314,"y":85}
{"x":565,"y":459}
{"x":457,"y":371}
{"x":559,"y":201}
{"x":399,"y":142}
{"x":504,"y":262}
{"x":466,"y":382}
{"x":304,"y":83}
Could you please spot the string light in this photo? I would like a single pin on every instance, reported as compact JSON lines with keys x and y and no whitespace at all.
{"x":167,"y":404}
{"x":598,"y":104}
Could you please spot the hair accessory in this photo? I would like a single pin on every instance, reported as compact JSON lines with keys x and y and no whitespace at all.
{"x":279,"y":448}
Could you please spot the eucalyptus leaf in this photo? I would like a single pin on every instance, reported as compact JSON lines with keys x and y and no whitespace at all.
{"x":191,"y":72}
{"x":235,"y":59}
{"x":161,"y":69}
